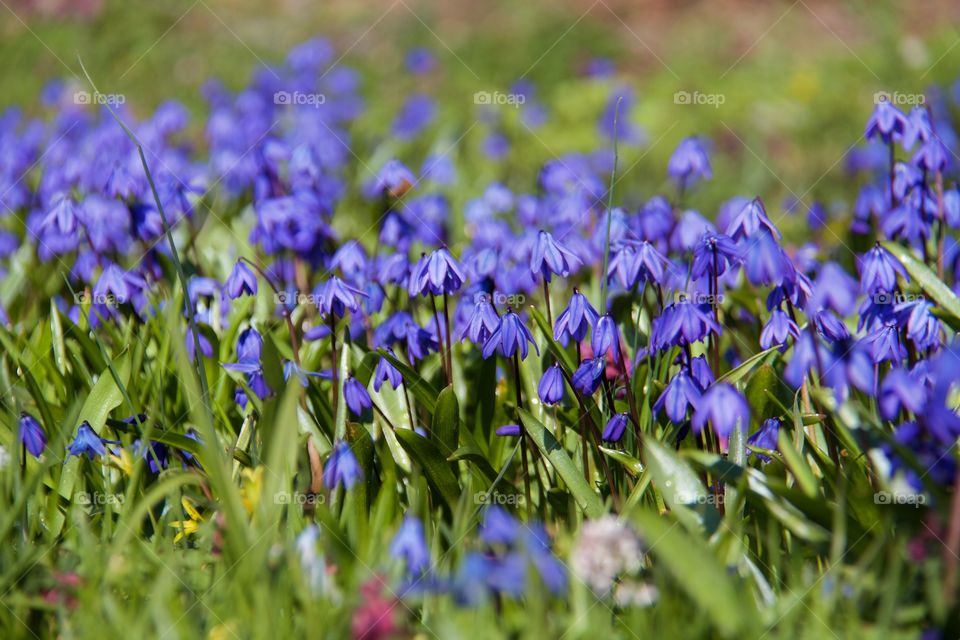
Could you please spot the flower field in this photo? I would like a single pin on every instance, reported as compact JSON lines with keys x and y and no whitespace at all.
{"x":272,"y":366}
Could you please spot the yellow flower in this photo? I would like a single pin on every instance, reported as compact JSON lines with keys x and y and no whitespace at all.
{"x":252,"y":488}
{"x":187,"y":527}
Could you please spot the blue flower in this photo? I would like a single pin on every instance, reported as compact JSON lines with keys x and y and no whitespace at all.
{"x":574,"y":321}
{"x":291,"y":368}
{"x":887,"y":122}
{"x":508,"y":430}
{"x":765,"y":261}
{"x":682,"y":392}
{"x":714,"y":252}
{"x":335,"y":296}
{"x":689,"y":162}
{"x":551,"y":388}
{"x":777,"y":329}
{"x":393,"y":179}
{"x":483,"y":321}
{"x":410,"y":546}
{"x":606,"y":338}
{"x":86,"y":443}
{"x":752,"y":218}
{"x":510,"y":336}
{"x":550,"y":257}
{"x":765,"y":438}
{"x":436,"y":274}
{"x":499,"y":527}
{"x":356,"y":395}
{"x":682,"y":323}
{"x":617,"y":424}
{"x":724,"y":408}
{"x":31,"y":434}
{"x":342,"y":467}
{"x":241,"y":282}
{"x":386,"y":372}
{"x":589,"y":375}
{"x":900,"y":390}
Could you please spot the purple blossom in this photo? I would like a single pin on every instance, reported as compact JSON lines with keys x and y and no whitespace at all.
{"x":241,"y":282}
{"x":576,"y":320}
{"x":356,"y":395}
{"x":342,"y":467}
{"x":617,"y":424}
{"x":31,"y":434}
{"x":724,"y":408}
{"x":551,"y":388}
{"x":510,"y":336}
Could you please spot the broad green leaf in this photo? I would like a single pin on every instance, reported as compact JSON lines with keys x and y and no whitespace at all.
{"x":927,"y":280}
{"x":435,"y":466}
{"x":446,"y":421}
{"x":585,"y":496}
{"x":690,"y":562}
{"x":633,"y":466}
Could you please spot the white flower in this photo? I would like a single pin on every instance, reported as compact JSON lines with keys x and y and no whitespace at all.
{"x":606,"y":549}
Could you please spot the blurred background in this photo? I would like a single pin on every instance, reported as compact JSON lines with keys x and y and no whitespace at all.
{"x":782,"y":88}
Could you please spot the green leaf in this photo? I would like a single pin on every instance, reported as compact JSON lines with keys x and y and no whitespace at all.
{"x":421,"y":388}
{"x":736,"y":374}
{"x":446,"y":421}
{"x":585,"y":496}
{"x":435,"y":466}
{"x":698,"y":572}
{"x":633,"y":466}
{"x":927,"y":280}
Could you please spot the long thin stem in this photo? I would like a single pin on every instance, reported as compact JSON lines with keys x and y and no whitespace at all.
{"x":446,"y":326}
{"x":523,"y":433}
{"x":604,"y":285}
{"x":443,"y":356}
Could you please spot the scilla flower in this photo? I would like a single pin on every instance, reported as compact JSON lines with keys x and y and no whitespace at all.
{"x":689,"y":162}
{"x":342,"y":467}
{"x":31,"y":435}
{"x":410,"y":546}
{"x":386,"y":372}
{"x":335,"y":296}
{"x":576,"y":320}
{"x":241,"y":282}
{"x":436,"y":274}
{"x":777,"y":329}
{"x":724,"y":408}
{"x":358,"y":400}
{"x":509,"y":337}
{"x":606,"y":338}
{"x":551,"y":388}
{"x":765,"y":438}
{"x":682,"y":392}
{"x":589,"y":375}
{"x":87,"y":442}
{"x":617,"y":424}
{"x":550,"y":257}
{"x":878,"y":271}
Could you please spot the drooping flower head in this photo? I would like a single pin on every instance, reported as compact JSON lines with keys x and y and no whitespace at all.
{"x":437,"y":274}
{"x":724,"y":408}
{"x":336,"y":296}
{"x":551,"y":257}
{"x":576,"y":320}
{"x":551,"y":388}
{"x":689,"y":162}
{"x":86,"y":442}
{"x":342,"y":467}
{"x":510,"y":337}
{"x":241,"y":282}
{"x":878,"y":271}
{"x":410,"y":546}
{"x":31,"y":434}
